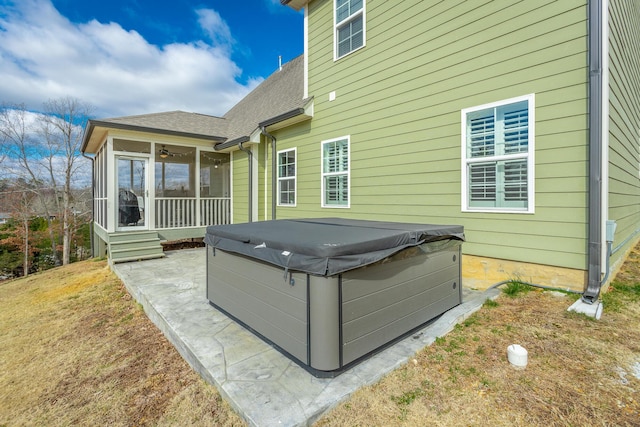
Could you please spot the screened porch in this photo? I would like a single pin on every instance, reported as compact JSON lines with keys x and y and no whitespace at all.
{"x":161,"y":187}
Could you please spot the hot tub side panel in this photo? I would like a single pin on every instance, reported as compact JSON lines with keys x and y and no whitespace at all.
{"x":258,"y":295}
{"x":386,"y":300}
{"x":324,"y":318}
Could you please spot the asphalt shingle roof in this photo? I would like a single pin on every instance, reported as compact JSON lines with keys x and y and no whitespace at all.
{"x":176,"y":121}
{"x":280,"y":93}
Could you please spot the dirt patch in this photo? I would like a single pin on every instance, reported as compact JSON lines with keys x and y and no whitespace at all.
{"x":183,"y":244}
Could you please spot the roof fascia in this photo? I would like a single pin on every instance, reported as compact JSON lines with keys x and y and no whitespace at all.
{"x":283,"y":120}
{"x":289,"y":118}
{"x":93,"y":124}
{"x":123,"y":126}
{"x":282,"y":117}
{"x":294,"y":4}
{"x":88,"y":130}
{"x":232,"y":145}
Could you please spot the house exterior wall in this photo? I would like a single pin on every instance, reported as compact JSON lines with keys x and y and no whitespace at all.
{"x":399,"y":99}
{"x":264,"y":184}
{"x":624,"y":124}
{"x":240,"y":186}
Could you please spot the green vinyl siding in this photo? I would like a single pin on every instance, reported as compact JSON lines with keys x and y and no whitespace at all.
{"x":264,"y":183}
{"x":400,"y":97}
{"x":240,"y":180}
{"x":624,"y":123}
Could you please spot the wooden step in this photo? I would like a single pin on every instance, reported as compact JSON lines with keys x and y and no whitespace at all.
{"x":134,"y":245}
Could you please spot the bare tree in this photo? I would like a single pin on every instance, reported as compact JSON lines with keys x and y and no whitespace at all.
{"x":45,"y":148}
{"x":24,"y":156}
{"x":62,"y":126}
{"x":3,"y":155}
{"x":18,"y":202}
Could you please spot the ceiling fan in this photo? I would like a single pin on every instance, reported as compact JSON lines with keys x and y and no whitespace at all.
{"x":164,"y":153}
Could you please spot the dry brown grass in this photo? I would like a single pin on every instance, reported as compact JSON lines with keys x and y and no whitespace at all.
{"x":580,"y":371}
{"x":76,"y":350}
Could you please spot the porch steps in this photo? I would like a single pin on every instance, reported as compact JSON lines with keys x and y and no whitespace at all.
{"x":134,"y":245}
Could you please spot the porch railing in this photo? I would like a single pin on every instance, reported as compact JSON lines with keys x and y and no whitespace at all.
{"x":178,"y":212}
{"x":215,"y":211}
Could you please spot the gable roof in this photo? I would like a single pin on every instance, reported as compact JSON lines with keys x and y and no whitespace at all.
{"x":278,"y":95}
{"x":278,"y":98}
{"x":176,"y":121}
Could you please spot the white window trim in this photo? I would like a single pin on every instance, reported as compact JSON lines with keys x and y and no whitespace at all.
{"x":530,"y":98}
{"x":348,"y":173}
{"x":362,"y":12}
{"x":295,"y":179}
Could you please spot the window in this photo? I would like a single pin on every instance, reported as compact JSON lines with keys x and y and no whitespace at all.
{"x":498,"y":156}
{"x":287,"y":178}
{"x":349,"y":26}
{"x":335,"y":173}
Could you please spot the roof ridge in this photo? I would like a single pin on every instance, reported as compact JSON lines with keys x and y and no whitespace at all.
{"x":162,"y":113}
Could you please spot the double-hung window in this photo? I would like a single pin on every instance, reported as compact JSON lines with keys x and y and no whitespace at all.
{"x":349,"y":22}
{"x":287,"y":177}
{"x":335,"y":173}
{"x":498,"y":156}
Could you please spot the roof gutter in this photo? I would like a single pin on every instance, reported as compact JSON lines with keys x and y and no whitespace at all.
{"x":262,"y":125}
{"x":281,"y":117}
{"x":87,"y":135}
{"x":232,"y":143}
{"x":594,"y":254}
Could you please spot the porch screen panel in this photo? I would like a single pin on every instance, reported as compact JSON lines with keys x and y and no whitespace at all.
{"x":215,"y":188}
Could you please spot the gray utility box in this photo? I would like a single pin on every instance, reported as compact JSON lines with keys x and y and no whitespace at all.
{"x":329,"y":292}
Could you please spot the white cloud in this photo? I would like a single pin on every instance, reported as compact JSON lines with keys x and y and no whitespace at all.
{"x":214,"y":26}
{"x":45,"y":56}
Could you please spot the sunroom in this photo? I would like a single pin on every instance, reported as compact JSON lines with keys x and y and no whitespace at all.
{"x":154,"y":181}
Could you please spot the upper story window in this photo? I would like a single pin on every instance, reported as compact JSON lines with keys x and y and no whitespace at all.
{"x":498,"y":156}
{"x":335,"y":173}
{"x":349,"y":24}
{"x":287,"y":177}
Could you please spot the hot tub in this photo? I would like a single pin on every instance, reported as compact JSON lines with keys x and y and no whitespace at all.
{"x":330,"y":292}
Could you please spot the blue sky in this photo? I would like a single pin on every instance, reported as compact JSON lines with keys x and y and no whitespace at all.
{"x":130,"y":57}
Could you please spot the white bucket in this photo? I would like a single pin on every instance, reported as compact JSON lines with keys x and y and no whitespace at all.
{"x":517,"y":355}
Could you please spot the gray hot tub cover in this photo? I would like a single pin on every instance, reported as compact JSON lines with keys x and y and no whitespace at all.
{"x":325,"y":246}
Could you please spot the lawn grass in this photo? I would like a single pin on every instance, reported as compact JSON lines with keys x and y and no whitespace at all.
{"x":75,"y":349}
{"x":581,"y":372}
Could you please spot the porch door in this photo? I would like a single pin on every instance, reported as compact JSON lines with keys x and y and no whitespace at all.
{"x":132,"y":199}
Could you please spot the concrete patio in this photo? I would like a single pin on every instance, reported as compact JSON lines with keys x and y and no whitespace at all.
{"x":263,"y":386}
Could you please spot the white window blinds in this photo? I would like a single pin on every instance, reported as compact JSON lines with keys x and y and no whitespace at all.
{"x":335,"y":173}
{"x":498,"y":159}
